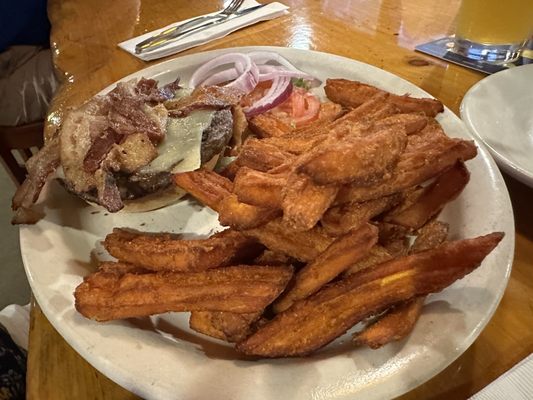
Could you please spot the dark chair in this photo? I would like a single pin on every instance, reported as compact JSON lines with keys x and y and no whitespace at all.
{"x":17,"y":145}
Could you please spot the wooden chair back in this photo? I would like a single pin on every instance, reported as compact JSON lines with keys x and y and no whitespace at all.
{"x":17,"y":145}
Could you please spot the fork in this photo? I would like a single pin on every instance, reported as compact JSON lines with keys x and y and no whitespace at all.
{"x":227,"y":12}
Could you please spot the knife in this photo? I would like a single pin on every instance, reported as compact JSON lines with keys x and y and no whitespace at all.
{"x":175,"y":33}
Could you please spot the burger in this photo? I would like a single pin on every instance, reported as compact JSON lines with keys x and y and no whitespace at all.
{"x":120,"y":150}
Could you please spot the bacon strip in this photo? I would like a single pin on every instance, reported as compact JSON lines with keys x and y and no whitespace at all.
{"x":39,"y":167}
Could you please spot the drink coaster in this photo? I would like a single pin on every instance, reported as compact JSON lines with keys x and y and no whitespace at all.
{"x":441,"y":48}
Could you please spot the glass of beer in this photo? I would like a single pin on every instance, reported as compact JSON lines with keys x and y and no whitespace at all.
{"x":493,"y":31}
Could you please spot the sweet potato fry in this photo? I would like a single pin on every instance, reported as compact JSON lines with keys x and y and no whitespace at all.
{"x":239,"y":215}
{"x":444,"y":189}
{"x":360,"y":161}
{"x":343,"y":218}
{"x":303,"y":246}
{"x":328,"y":113}
{"x":296,"y":144}
{"x":267,"y":125}
{"x":228,"y":326}
{"x":395,"y":325}
{"x":164,"y":252}
{"x":342,"y":253}
{"x":412,"y":123}
{"x":430,"y":236}
{"x":354,"y":123}
{"x":259,"y":188}
{"x":206,"y":185}
{"x":413,"y":168}
{"x":400,"y":320}
{"x":375,"y":256}
{"x":269,"y":257}
{"x":261,"y":155}
{"x":240,"y":289}
{"x":304,"y":202}
{"x":389,"y":233}
{"x":121,"y":268}
{"x":319,"y":319}
{"x":353,"y":94}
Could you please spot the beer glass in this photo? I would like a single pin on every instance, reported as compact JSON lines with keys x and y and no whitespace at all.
{"x":493,"y":31}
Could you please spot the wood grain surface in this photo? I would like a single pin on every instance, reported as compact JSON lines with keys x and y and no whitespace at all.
{"x":382,"y":33}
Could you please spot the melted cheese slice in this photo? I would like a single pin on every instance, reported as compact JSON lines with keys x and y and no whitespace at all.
{"x":180,"y":150}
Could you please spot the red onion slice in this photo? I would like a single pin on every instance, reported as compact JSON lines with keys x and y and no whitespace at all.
{"x":280,"y":91}
{"x":247,"y":69}
{"x":269,"y":72}
{"x":221,"y":77}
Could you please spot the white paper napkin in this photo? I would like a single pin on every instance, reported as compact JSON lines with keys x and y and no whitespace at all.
{"x":16,"y":319}
{"x":270,"y":11}
{"x":515,"y":384}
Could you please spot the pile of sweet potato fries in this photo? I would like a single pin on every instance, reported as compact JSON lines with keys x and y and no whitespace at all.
{"x":329,"y":225}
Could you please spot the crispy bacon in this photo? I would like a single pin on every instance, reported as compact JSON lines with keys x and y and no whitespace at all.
{"x":100,"y":148}
{"x":39,"y":167}
{"x":210,"y":97}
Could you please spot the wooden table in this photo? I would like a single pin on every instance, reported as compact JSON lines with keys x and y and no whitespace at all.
{"x":383,"y":33}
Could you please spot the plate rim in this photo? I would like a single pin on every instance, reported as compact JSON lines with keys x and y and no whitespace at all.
{"x":517,"y":171}
{"x":105,"y":368}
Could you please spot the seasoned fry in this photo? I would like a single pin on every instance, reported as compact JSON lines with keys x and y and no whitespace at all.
{"x":239,"y":215}
{"x":430,"y":236}
{"x":343,"y":218}
{"x":329,"y":112}
{"x":164,"y":252}
{"x":207,"y":186}
{"x":444,"y":189}
{"x":121,"y":268}
{"x":268,"y":125}
{"x":412,"y":123}
{"x":396,"y":324}
{"x":342,"y":253}
{"x":242,"y":289}
{"x":316,"y":321}
{"x":375,"y":256}
{"x":389,"y":233}
{"x":413,"y":168}
{"x":360,"y":161}
{"x":304,"y":202}
{"x":259,"y":188}
{"x":353,"y":94}
{"x":261,"y":155}
{"x":400,"y":320}
{"x":269,"y":257}
{"x":228,"y":326}
{"x":303,"y":246}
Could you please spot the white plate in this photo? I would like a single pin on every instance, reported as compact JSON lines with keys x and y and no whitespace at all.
{"x":499,"y":112}
{"x":160,"y":358}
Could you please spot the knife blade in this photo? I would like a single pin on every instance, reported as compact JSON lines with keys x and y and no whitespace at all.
{"x":174,"y":33}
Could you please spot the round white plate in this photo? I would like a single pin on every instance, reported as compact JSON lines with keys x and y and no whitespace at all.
{"x":161,"y":358}
{"x":498,"y":110}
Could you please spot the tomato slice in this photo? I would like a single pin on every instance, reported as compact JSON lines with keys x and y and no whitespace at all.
{"x":299,"y":109}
